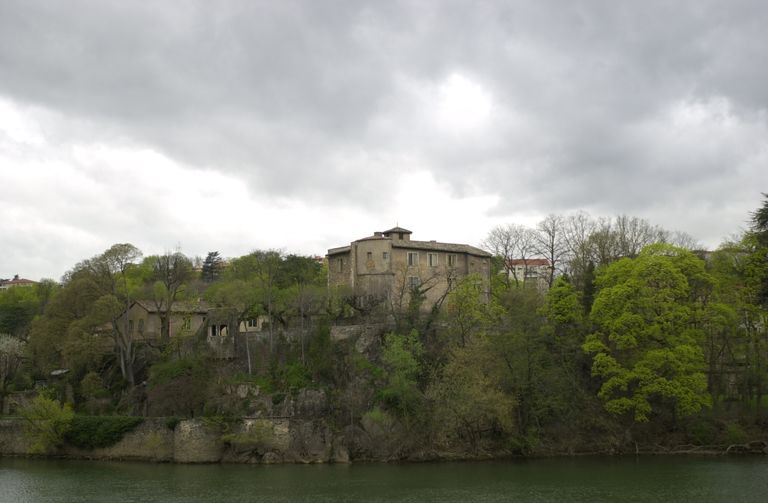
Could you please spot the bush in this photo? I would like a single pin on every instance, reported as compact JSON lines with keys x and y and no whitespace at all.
{"x":172,"y":422}
{"x":91,"y":432}
{"x":259,"y":436}
{"x":735,"y":434}
{"x":165,"y":372}
{"x":47,"y":423}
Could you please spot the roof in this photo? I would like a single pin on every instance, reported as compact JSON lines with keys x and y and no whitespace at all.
{"x":199,"y":307}
{"x":16,"y":281}
{"x":395,"y":230}
{"x":529,"y":262}
{"x":446,"y":247}
{"x":340,"y":249}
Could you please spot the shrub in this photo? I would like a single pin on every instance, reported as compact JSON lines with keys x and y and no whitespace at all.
{"x":172,"y":422}
{"x":47,"y":423}
{"x":258,"y":436}
{"x":165,"y":372}
{"x":91,"y":432}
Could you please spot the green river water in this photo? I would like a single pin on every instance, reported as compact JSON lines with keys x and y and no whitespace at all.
{"x":644,"y":479}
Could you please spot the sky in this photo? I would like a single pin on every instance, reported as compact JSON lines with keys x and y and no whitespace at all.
{"x":304,"y":125}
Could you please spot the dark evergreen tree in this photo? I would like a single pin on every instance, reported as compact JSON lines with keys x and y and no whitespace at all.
{"x":212,"y":267}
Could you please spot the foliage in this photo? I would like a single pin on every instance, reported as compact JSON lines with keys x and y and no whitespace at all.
{"x":258,"y":435}
{"x":400,"y":356}
{"x":172,"y":422}
{"x":167,"y":371}
{"x":47,"y":423}
{"x":213,"y":265}
{"x":91,"y":432}
{"x":469,"y":397}
{"x":92,"y":390}
{"x":178,"y":387}
{"x":646,"y":346}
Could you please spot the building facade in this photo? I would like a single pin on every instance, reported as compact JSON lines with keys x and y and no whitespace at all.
{"x":389,"y":266}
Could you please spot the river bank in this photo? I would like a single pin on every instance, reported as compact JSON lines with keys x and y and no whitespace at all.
{"x":279,"y":441}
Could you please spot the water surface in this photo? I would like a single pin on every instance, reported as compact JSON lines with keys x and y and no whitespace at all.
{"x":644,"y":479}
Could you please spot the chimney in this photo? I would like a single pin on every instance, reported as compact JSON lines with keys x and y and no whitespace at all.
{"x":377,"y":234}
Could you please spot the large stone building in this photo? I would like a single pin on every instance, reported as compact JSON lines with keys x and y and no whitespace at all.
{"x":389,"y":266}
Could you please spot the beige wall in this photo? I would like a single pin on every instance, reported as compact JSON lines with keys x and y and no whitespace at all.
{"x":369,"y":272}
{"x":149,"y":323}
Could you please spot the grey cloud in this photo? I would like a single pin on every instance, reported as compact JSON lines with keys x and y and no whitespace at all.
{"x":287,"y":94}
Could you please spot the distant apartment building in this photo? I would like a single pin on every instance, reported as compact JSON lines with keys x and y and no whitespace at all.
{"x":389,"y":266}
{"x":529,"y":272}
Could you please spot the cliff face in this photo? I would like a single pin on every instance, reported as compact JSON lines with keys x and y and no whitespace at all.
{"x":201,"y":441}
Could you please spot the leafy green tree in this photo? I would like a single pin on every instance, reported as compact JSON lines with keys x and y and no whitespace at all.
{"x":401,"y":357}
{"x":465,"y":314}
{"x":47,"y":422}
{"x":469,"y":398}
{"x":646,"y":347}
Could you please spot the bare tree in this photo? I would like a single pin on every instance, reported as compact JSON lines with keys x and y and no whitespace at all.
{"x":576,"y":234}
{"x":11,"y":353}
{"x":551,"y":243}
{"x":171,"y":272}
{"x":511,"y":242}
{"x":633,"y":234}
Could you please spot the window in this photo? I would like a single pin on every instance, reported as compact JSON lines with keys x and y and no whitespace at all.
{"x":385,"y":255}
{"x":413,"y":282}
{"x":413,"y":259}
{"x":252,"y":323}
{"x":141,"y":326}
{"x":369,"y":256}
{"x":130,"y":326}
{"x":432,"y":259}
{"x":186,"y":323}
{"x":340,"y":265}
{"x":451,"y":260}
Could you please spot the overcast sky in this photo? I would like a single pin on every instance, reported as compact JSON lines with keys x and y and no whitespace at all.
{"x":303,"y":125}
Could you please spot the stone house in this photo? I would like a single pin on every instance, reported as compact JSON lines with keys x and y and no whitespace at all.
{"x":388,"y":266}
{"x":16,"y":281}
{"x":187,"y":318}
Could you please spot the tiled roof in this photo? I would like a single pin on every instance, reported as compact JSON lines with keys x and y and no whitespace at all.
{"x":177,"y":307}
{"x":340,"y":249}
{"x":446,"y":247}
{"x":17,"y":282}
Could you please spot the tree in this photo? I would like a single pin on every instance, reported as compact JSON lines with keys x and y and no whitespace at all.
{"x":511,"y":242}
{"x":759,"y":222}
{"x":646,"y":346}
{"x":469,"y":398}
{"x":212,"y":267}
{"x":401,"y":357}
{"x":18,"y":306}
{"x":11,"y":353}
{"x":170,"y":272}
{"x":305,"y":294}
{"x":47,"y":422}
{"x":551,"y":244}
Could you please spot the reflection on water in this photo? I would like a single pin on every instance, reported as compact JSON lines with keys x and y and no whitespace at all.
{"x":652,"y":479}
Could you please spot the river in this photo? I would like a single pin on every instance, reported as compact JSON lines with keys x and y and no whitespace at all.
{"x":589,"y":479}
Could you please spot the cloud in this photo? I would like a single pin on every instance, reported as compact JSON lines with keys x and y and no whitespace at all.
{"x":652,"y":109}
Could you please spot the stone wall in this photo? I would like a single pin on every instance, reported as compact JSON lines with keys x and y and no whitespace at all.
{"x":201,"y":441}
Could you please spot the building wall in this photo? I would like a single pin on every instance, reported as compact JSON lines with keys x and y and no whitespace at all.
{"x":146,"y":324}
{"x":340,"y":270}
